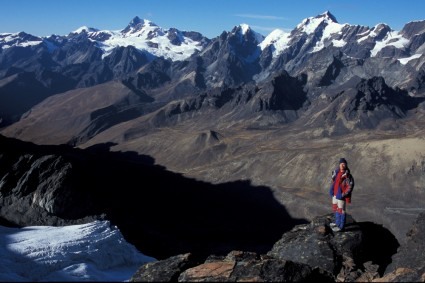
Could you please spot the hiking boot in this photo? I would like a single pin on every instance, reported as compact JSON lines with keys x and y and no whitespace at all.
{"x":336,"y":229}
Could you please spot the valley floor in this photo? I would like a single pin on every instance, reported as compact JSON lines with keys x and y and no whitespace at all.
{"x":388,"y":166}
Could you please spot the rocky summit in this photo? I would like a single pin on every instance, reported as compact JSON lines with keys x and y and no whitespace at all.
{"x":364,"y":252}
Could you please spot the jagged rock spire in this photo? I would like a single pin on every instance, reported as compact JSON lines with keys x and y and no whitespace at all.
{"x":328,"y":15}
{"x":137,"y":24}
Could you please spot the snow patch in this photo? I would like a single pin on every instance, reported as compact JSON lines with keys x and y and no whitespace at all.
{"x":279,"y":39}
{"x":8,"y":40}
{"x":87,"y":252}
{"x":309,"y":25}
{"x":404,"y":61}
{"x":392,"y":39}
{"x":85,"y":29}
{"x":330,"y":30}
{"x":245,"y":28}
{"x":152,"y":39}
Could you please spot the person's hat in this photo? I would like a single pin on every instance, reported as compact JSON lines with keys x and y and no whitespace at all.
{"x":342,"y":160}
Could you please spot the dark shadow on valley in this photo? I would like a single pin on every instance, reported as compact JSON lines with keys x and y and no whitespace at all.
{"x":164,"y":213}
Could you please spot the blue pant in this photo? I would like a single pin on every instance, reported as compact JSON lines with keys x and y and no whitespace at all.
{"x":338,"y":207}
{"x":340,"y":219}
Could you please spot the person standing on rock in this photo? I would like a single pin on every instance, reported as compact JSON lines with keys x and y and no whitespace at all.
{"x":340,"y":191}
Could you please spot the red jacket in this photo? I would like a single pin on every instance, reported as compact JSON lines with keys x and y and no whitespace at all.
{"x":342,"y":185}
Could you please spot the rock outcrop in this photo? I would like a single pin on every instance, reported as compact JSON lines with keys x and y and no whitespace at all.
{"x":408,"y":264}
{"x":237,"y":266}
{"x":309,"y":252}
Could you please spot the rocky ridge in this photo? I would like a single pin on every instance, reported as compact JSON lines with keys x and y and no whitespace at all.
{"x":364,"y":252}
{"x":319,"y":48}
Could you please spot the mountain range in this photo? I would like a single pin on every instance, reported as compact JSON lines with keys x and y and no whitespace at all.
{"x":277,"y":110}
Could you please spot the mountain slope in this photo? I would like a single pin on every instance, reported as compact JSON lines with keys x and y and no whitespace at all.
{"x":277,"y":110}
{"x":79,"y":114}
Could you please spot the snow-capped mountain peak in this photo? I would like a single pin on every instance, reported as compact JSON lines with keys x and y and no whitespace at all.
{"x":328,"y":17}
{"x":138,"y":25}
{"x":147,"y":36}
{"x":21,"y":39}
{"x":136,"y":21}
{"x":279,"y":39}
{"x":309,"y":25}
{"x":85,"y":29}
{"x":322,"y":31}
{"x":245,"y":30}
{"x":313,"y":34}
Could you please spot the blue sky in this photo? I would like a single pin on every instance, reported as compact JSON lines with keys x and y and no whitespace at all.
{"x":211,"y":18}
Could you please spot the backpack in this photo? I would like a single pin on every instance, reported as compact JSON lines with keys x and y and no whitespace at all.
{"x":351,"y":181}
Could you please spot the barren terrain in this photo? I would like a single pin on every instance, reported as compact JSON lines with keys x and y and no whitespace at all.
{"x":388,"y":166}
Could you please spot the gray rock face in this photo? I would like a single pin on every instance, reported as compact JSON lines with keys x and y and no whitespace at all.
{"x":413,"y":28}
{"x":408,"y":264}
{"x":34,"y":186}
{"x":45,"y":180}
